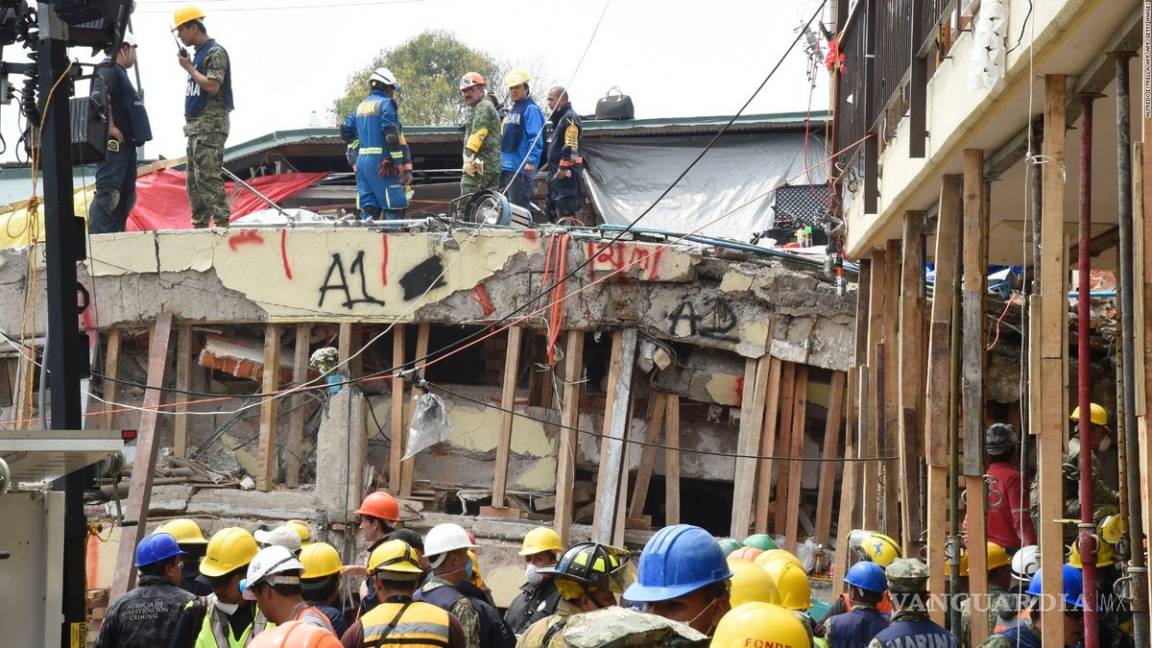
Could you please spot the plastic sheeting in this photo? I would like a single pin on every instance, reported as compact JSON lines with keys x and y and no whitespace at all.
{"x":739,"y":175}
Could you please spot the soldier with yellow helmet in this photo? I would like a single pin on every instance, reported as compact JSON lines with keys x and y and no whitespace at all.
{"x":320,"y":581}
{"x":193,"y":543}
{"x":538,"y":595}
{"x":223,"y":619}
{"x":588,"y":576}
{"x":398,"y":620}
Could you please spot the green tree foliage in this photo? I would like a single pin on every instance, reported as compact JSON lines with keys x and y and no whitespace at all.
{"x":428,"y":68}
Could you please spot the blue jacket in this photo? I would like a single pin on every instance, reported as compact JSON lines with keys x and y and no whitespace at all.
{"x":917,"y":633}
{"x":522,"y":140}
{"x":855,"y":628}
{"x":376,"y":125}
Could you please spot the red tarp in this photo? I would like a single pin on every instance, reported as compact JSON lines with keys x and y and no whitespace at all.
{"x":162,"y":198}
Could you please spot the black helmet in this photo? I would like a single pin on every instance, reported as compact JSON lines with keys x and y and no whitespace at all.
{"x":999,"y":438}
{"x":587,"y":567}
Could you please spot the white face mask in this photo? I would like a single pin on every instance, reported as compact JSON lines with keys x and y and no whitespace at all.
{"x":1104,"y":444}
{"x":227,"y":608}
{"x":532,"y":575}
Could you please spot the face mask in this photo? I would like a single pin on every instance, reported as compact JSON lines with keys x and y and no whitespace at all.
{"x":468,"y":570}
{"x":532,"y":575}
{"x":1104,"y":444}
{"x":701,"y":613}
{"x":227,"y":608}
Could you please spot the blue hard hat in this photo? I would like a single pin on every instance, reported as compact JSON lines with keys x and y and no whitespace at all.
{"x":155,"y":548}
{"x":677,"y":560}
{"x":867,"y":576}
{"x":1073,"y":586}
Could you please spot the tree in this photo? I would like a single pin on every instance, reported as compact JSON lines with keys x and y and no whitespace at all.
{"x":428,"y":68}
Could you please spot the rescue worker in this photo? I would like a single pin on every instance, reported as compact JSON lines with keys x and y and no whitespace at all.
{"x":296,"y":635}
{"x":128,"y":128}
{"x":854,"y":629}
{"x":207,"y":104}
{"x":147,"y":616}
{"x":1009,"y":525}
{"x":193,"y":543}
{"x":378,"y":514}
{"x":683,"y":576}
{"x":795,"y":590}
{"x":274,"y":584}
{"x":1024,"y":565}
{"x":223,"y":619}
{"x":302,"y":529}
{"x":908,"y":587}
{"x":1003,"y":606}
{"x":538,"y":595}
{"x":869,"y":546}
{"x":320,"y":582}
{"x":281,"y":536}
{"x":1025,"y":632}
{"x":384,"y":164}
{"x":399,"y":620}
{"x":447,"y":548}
{"x":751,"y":582}
{"x":1114,"y":619}
{"x":565,"y":162}
{"x":521,"y":141}
{"x":481,"y":132}
{"x":760,"y":625}
{"x":761,"y":541}
{"x":588,"y":577}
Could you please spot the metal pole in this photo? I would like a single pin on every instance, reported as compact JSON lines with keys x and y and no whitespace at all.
{"x":1084,"y":376}
{"x":236,"y":178}
{"x":954,"y":448}
{"x":1139,"y":603}
{"x":64,"y":246}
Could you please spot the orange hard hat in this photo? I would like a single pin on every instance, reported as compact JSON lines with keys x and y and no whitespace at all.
{"x":295,"y":634}
{"x":471,"y":79}
{"x":380,"y":504}
{"x":745,"y":553}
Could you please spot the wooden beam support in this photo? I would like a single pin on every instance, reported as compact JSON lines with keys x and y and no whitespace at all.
{"x":611,"y":472}
{"x":269,"y":408}
{"x":111,"y":371}
{"x":846,"y":518}
{"x":295,"y":444}
{"x":975,"y":232}
{"x":408,"y":466}
{"x":140,"y":490}
{"x":183,"y":384}
{"x":871,"y":415}
{"x":828,"y":472}
{"x":937,"y":536}
{"x":894,"y":495}
{"x":768,"y":447}
{"x":648,"y":454}
{"x":507,"y":420}
{"x":573,"y":370}
{"x":672,"y":460}
{"x":796,"y":451}
{"x":748,"y":443}
{"x":397,"y":437}
{"x":976,"y":518}
{"x":910,"y":368}
{"x":784,"y":441}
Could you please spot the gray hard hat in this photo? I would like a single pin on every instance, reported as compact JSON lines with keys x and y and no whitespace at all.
{"x":999,"y":438}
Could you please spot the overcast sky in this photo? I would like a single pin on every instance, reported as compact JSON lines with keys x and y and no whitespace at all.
{"x":291,"y":58}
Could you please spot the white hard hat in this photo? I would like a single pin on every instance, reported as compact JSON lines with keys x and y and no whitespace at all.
{"x":446,"y":537}
{"x":1025,"y":562}
{"x":383,"y":75}
{"x":129,"y":39}
{"x":282,"y":536}
{"x":267,"y":566}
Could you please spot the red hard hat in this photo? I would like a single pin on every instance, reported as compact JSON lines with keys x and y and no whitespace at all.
{"x":295,"y":634}
{"x":380,"y":504}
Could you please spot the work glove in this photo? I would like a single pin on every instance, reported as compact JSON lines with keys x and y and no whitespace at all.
{"x":387,"y":169}
{"x":407,"y":181}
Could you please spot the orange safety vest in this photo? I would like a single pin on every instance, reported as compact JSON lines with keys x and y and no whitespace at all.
{"x":883,"y":607}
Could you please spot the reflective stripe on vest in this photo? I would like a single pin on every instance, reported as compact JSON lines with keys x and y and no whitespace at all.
{"x":215,"y":632}
{"x":372,"y":150}
{"x":422,"y":624}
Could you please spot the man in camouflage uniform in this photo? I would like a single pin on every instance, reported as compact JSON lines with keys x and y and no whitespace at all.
{"x":481,"y":141}
{"x":908,"y":588}
{"x":206,"y":106}
{"x":1003,"y":605}
{"x":1025,"y":632}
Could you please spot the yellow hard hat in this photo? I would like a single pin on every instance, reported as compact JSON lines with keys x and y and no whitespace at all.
{"x":760,"y":624}
{"x":791,"y":583}
{"x":880,"y":549}
{"x":320,"y":559}
{"x":302,"y":529}
{"x":184,"y":14}
{"x":1099,"y":414}
{"x":541,"y":539}
{"x":1105,"y":556}
{"x":751,"y":583}
{"x":963,"y":565}
{"x":228,"y":550}
{"x":516,"y":77}
{"x":186,"y":531}
{"x":396,"y":558}
{"x":1113,"y":528}
{"x":778,"y":554}
{"x":997,"y":557}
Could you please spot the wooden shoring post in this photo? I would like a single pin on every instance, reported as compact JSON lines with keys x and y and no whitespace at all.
{"x":910,"y":367}
{"x":846,"y":517}
{"x":795,"y":452}
{"x":183,"y":385}
{"x":269,"y":408}
{"x":1049,"y":419}
{"x":672,"y":460}
{"x":140,"y":490}
{"x":648,"y":454}
{"x":573,"y":371}
{"x":396,"y":416}
{"x":294,"y":455}
{"x":507,"y":420}
{"x":611,"y":471}
{"x":827,"y":484}
{"x":768,"y":447}
{"x":783,"y":442}
{"x":408,"y":466}
{"x":111,"y":369}
{"x":872,"y":416}
{"x":894,"y":495}
{"x":748,"y":443}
